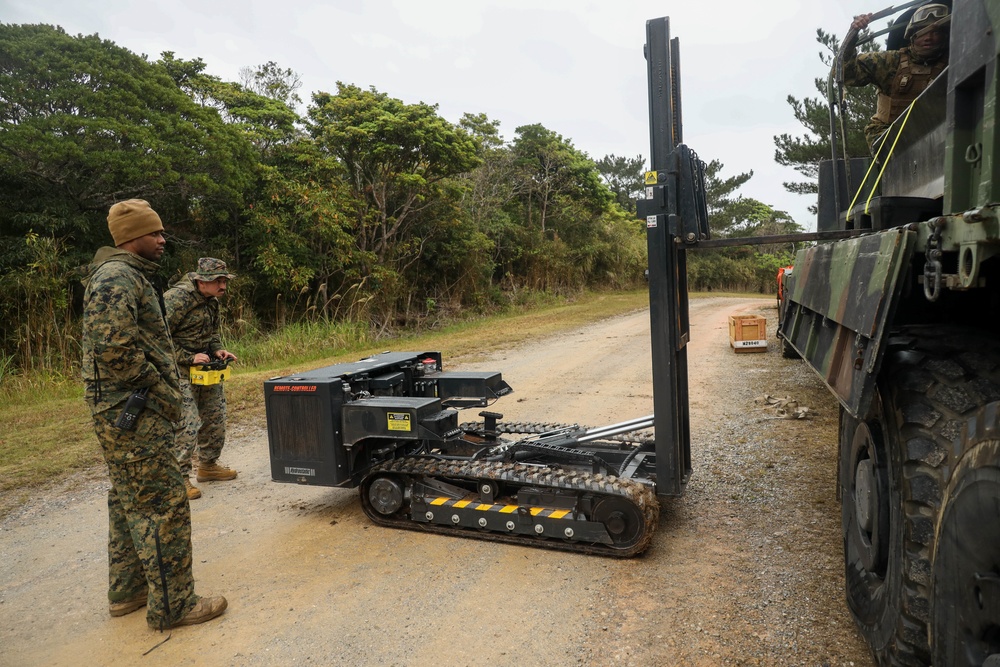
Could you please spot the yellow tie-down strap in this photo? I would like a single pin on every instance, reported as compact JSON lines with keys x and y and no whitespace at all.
{"x":199,"y":376}
{"x":502,"y":509}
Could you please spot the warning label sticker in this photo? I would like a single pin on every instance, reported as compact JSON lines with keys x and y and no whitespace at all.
{"x":399,"y":421}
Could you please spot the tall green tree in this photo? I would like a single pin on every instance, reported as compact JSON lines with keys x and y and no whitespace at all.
{"x":492,"y":184}
{"x":398,"y":160}
{"x":84,"y":123}
{"x":489,"y":193}
{"x":566,"y":211}
{"x":396,"y":157}
{"x":299,"y":236}
{"x":722,"y":198}
{"x":551,"y":169}
{"x":261,"y":118}
{"x":804,"y":152}
{"x":271,"y":81}
{"x":624,"y":177}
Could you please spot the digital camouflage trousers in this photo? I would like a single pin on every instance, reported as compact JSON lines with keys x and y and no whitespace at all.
{"x":147,"y":500}
{"x":203,"y":428}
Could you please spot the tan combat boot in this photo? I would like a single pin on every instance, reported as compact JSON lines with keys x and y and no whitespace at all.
{"x":192,"y":490}
{"x":213,"y":472}
{"x":127,"y":606}
{"x":205,"y":610}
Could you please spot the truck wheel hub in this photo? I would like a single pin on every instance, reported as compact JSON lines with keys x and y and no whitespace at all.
{"x":865,"y":498}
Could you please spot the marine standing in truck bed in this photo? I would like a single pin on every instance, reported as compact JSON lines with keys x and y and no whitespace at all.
{"x":903,"y":74}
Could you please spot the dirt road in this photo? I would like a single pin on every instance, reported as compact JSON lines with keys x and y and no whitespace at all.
{"x":743,"y":570}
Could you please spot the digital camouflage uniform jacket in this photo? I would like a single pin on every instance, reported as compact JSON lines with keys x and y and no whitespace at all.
{"x":194,"y":321}
{"x":880,"y":68}
{"x":126,"y":343}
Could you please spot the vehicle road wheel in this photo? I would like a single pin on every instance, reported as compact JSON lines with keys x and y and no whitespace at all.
{"x":908,"y":562}
{"x":623,"y":520}
{"x":877,"y":559}
{"x":385,"y":494}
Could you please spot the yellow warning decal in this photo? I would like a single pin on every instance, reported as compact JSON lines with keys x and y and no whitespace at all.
{"x":502,"y":509}
{"x":399,"y":421}
{"x":650,"y":178}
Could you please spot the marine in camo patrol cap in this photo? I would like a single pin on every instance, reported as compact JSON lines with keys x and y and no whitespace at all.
{"x":210,"y":268}
{"x":193,"y":314}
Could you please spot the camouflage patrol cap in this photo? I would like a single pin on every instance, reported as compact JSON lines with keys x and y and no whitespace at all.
{"x":210,"y":268}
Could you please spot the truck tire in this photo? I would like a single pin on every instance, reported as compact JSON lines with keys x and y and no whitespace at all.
{"x":965,"y":609}
{"x":896,"y":475}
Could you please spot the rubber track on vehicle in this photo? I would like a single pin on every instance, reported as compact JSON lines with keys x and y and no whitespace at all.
{"x":519,"y":474}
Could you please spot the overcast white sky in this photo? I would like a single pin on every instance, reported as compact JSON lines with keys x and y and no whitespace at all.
{"x":575,"y":67}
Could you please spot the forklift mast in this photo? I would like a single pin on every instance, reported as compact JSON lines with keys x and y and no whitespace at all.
{"x":675,"y":212}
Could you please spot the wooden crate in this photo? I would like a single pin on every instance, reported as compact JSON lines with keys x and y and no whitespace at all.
{"x":747,"y":333}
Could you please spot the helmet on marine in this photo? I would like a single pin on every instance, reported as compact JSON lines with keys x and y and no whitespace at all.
{"x":925,"y":16}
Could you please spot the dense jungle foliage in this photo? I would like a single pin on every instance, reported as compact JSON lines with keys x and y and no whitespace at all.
{"x":364,"y":211}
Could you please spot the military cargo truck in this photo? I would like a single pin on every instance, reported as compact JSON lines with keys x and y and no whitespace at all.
{"x":901,"y":322}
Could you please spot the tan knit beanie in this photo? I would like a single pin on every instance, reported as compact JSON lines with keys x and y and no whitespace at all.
{"x":131,"y":219}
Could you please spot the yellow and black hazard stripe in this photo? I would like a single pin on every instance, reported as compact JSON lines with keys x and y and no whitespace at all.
{"x":501,"y":509}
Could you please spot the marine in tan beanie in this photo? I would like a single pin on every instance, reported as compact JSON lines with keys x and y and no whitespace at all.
{"x":131,"y":219}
